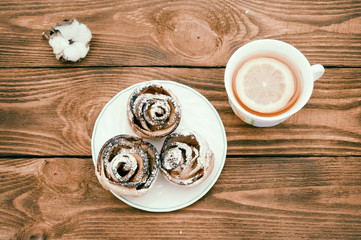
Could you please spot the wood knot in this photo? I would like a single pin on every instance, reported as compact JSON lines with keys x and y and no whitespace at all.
{"x":57,"y":174}
{"x":188,"y":33}
{"x":36,"y":232}
{"x":38,"y":236}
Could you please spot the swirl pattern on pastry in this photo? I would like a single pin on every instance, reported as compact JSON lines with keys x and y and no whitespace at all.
{"x":186,"y":158}
{"x":153,"y":110}
{"x":127,"y":165}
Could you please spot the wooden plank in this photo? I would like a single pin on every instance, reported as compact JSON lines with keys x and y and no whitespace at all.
{"x":52,"y":111}
{"x":197,"y":33}
{"x":268,"y":198}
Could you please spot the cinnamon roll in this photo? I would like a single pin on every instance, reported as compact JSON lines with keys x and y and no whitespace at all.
{"x":153,"y":110}
{"x":186,"y":158}
{"x":127,"y":165}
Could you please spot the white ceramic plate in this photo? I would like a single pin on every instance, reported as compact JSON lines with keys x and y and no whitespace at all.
{"x":197,"y":114}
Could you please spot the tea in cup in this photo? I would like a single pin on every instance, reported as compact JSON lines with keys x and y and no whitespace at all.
{"x":267,"y":81}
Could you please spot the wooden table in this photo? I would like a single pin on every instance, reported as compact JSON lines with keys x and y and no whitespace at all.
{"x":298,"y":180}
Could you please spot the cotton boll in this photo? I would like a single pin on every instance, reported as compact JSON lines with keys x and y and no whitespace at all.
{"x":75,"y":51}
{"x":84,"y":35}
{"x":69,"y":40}
{"x":82,"y":48}
{"x":69,"y":30}
{"x":58,"y":44}
{"x":72,"y":53}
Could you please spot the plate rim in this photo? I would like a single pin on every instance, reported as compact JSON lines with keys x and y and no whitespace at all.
{"x":199,"y":195}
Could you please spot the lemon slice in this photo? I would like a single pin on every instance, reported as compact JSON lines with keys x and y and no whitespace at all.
{"x":265,"y":84}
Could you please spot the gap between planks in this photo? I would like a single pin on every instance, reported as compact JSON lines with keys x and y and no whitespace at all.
{"x":228,"y":156}
{"x":152,"y":66}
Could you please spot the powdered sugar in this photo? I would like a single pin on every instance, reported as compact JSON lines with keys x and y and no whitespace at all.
{"x":127,"y":165}
{"x":186,"y":158}
{"x":153,"y":110}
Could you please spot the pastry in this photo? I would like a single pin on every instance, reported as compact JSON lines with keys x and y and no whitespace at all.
{"x":186,"y":158}
{"x":153,"y":110}
{"x":127,"y":165}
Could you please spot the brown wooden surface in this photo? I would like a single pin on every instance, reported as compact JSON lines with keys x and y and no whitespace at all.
{"x":155,"y":32}
{"x":298,"y":180}
{"x":258,"y":197}
{"x":52,"y":111}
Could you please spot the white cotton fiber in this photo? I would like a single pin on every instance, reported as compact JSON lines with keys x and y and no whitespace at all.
{"x":75,"y":51}
{"x":70,"y":40}
{"x":83,"y":35}
{"x":69,"y":31}
{"x":58,"y":44}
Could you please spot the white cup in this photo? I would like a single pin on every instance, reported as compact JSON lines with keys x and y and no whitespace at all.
{"x":307,"y":74}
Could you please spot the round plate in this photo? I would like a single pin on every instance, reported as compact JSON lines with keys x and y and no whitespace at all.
{"x":198,"y":114}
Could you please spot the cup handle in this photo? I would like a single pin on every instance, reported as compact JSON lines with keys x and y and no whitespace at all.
{"x":317,"y":71}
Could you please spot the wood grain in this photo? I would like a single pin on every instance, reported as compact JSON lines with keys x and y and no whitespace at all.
{"x":183,"y":33}
{"x":268,"y":198}
{"x":51,"y":112}
{"x":298,"y":180}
